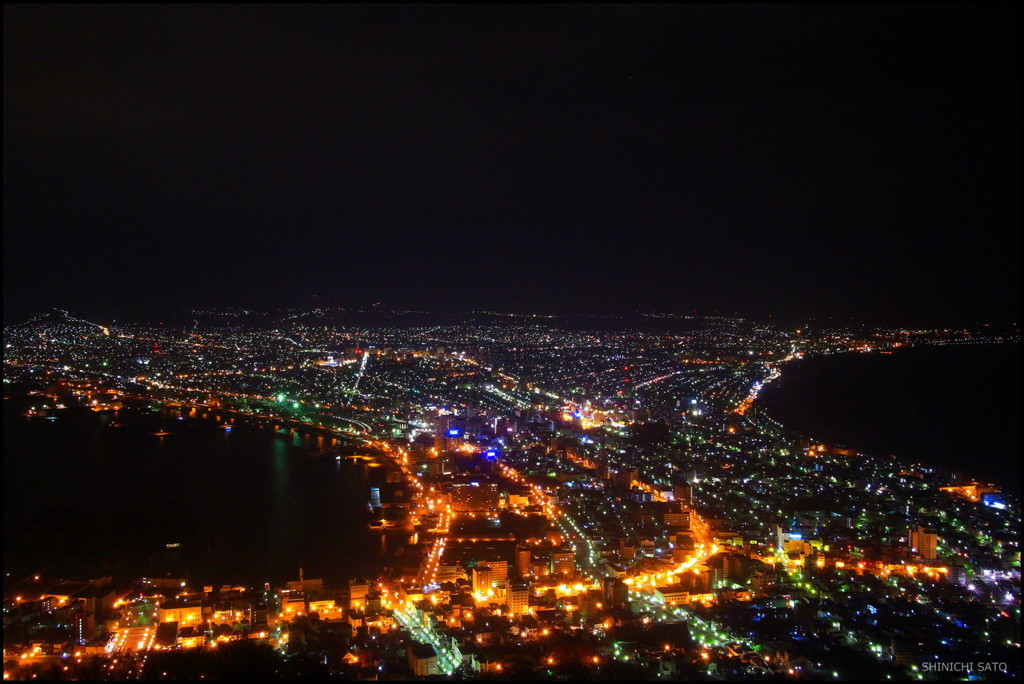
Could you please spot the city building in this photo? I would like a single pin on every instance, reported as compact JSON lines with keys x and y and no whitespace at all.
{"x":924,"y":543}
{"x":517,"y":598}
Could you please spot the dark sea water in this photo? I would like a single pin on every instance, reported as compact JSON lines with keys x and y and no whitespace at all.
{"x":244,"y":505}
{"x":955,"y":407}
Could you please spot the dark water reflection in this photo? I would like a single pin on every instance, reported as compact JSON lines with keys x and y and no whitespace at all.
{"x":245,"y":505}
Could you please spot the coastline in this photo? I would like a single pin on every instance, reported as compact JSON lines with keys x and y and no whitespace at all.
{"x":943,"y":424}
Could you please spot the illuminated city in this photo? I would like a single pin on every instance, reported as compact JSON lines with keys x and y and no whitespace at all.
{"x":599,"y":501}
{"x":624,"y":342}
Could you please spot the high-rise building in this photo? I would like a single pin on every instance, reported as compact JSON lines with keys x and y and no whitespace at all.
{"x":499,"y":570}
{"x":735,"y":566}
{"x":523,"y":560}
{"x":562,"y":563}
{"x":518,"y":597}
{"x":490,"y":581}
{"x":957,"y":575}
{"x":481,"y":579}
{"x":924,"y":543}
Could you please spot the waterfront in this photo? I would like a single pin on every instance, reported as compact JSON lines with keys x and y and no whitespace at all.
{"x":244,"y":505}
{"x":955,"y":407}
{"x":548,"y":472}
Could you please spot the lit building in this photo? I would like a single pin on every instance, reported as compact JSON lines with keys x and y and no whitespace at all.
{"x":487,"y":579}
{"x":422,"y":659}
{"x":518,"y":598}
{"x":562,"y":562}
{"x":292,"y":606}
{"x":678,"y":594}
{"x":672,"y":594}
{"x":924,"y":543}
{"x":182,"y":613}
{"x":357,"y":591}
{"x":474,"y":496}
{"x":499,"y":568}
{"x":325,"y":609}
{"x":973,"y":491}
{"x":678,"y":520}
{"x":450,"y":573}
{"x":523,"y":560}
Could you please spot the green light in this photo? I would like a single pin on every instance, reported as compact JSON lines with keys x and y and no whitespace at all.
{"x":280,"y":397}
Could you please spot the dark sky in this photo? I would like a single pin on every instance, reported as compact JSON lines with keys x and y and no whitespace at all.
{"x":793,"y":161}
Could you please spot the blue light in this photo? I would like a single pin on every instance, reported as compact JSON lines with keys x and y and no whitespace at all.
{"x":454,"y":432}
{"x":994,"y":500}
{"x":491,"y":455}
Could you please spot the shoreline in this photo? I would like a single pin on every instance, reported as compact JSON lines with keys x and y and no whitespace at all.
{"x":837,"y":433}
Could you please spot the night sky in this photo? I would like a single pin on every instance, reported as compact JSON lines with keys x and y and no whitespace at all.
{"x":786,"y":161}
